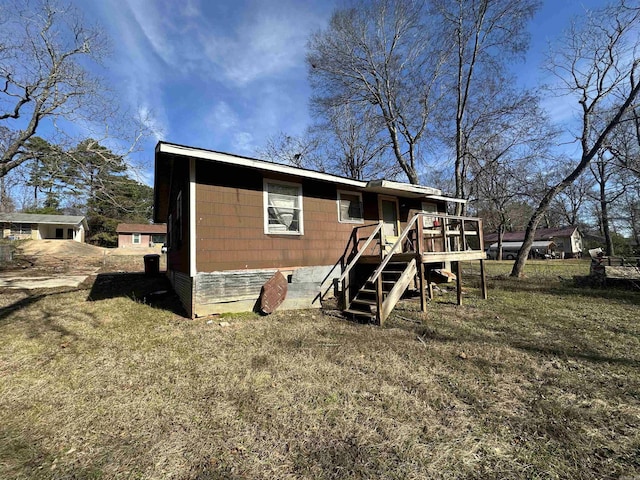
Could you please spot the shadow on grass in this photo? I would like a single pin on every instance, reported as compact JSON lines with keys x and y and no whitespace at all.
{"x":573,"y":347}
{"x":155,"y":291}
{"x":566,"y":286}
{"x":553,"y":336}
{"x":46,"y":322}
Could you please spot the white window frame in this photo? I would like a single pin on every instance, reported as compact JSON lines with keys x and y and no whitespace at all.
{"x":136,"y":236}
{"x":265,"y":204}
{"x":347,"y":192}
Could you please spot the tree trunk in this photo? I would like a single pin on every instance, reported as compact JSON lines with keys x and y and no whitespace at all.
{"x":529,"y":235}
{"x":606,"y":231}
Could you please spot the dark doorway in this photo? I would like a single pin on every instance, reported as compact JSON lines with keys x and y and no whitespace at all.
{"x":59,"y":233}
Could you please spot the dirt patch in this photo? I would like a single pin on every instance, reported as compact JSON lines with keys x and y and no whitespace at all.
{"x":46,"y":258}
{"x":132,"y":251}
{"x":60,"y":247}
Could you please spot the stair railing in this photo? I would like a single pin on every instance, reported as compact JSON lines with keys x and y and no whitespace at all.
{"x":396,"y":246}
{"x":354,"y":260}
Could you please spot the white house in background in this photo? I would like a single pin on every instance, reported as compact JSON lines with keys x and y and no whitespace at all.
{"x":567,"y":240}
{"x":35,"y":226}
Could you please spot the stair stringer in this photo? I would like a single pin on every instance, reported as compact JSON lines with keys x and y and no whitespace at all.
{"x":398,"y":290}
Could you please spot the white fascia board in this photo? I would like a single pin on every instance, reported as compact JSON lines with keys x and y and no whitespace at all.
{"x":257,"y":164}
{"x":446,"y":199}
{"x":397,"y":188}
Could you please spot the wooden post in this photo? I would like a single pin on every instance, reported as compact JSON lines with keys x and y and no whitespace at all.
{"x":483,"y":280}
{"x":356,"y":240}
{"x":346,"y":282}
{"x":379,"y":286}
{"x":459,"y":281}
{"x":444,"y":235}
{"x":379,"y":318}
{"x":420,"y":260}
{"x":429,"y":286}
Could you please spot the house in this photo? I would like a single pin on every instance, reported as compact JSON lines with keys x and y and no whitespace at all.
{"x":141,"y":235}
{"x":233,"y":222}
{"x":567,"y":240}
{"x":21,"y":226}
{"x":539,"y":249}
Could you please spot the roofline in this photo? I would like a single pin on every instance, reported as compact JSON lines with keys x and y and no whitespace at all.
{"x":183,"y":150}
{"x":232,"y":159}
{"x":82,"y":220}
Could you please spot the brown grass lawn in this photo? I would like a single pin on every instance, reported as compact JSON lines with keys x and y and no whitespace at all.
{"x":542,"y":380}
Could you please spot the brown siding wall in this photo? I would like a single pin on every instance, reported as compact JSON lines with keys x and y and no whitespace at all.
{"x":230,"y":222}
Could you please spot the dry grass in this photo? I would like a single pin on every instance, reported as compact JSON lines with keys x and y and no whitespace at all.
{"x":539,"y":381}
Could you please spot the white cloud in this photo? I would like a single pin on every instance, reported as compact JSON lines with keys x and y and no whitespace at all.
{"x":222,"y":117}
{"x":138,"y":76}
{"x":150,"y":121}
{"x":244,"y":143}
{"x":271,"y":41}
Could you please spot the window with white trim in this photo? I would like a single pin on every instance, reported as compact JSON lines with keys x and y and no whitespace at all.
{"x":135,"y":238}
{"x":350,"y":207}
{"x":283,"y":208}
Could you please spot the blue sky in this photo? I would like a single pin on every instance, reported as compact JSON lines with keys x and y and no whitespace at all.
{"x":228,"y":74}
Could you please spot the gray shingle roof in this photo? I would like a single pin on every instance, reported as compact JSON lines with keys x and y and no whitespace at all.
{"x":41,"y":218}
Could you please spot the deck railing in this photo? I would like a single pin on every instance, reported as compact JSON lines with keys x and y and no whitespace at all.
{"x":446,"y":233}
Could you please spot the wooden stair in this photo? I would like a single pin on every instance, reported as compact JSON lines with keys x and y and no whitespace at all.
{"x":392,"y":282}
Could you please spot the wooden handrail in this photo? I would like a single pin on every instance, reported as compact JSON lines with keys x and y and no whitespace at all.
{"x":444,"y":224}
{"x":360,"y":251}
{"x":395,"y":246}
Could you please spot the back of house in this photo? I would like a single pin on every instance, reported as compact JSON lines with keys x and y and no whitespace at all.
{"x":233,"y":221}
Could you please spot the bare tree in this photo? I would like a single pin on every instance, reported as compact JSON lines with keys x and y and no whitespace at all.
{"x":44,"y":50}
{"x":484,"y":34}
{"x":611,"y":186}
{"x":504,"y":148}
{"x":298,"y":151}
{"x":596,"y":64}
{"x":630,"y":206}
{"x":568,"y":204}
{"x":382,"y":53}
{"x":352,"y":143}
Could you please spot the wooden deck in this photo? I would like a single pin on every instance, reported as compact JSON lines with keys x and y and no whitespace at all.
{"x":428,"y":239}
{"x":430,"y":257}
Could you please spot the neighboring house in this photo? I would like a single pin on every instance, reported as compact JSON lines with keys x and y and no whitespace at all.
{"x":567,"y":240}
{"x":21,"y":226}
{"x":141,"y":235}
{"x":232,"y":222}
{"x":539,"y":249}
